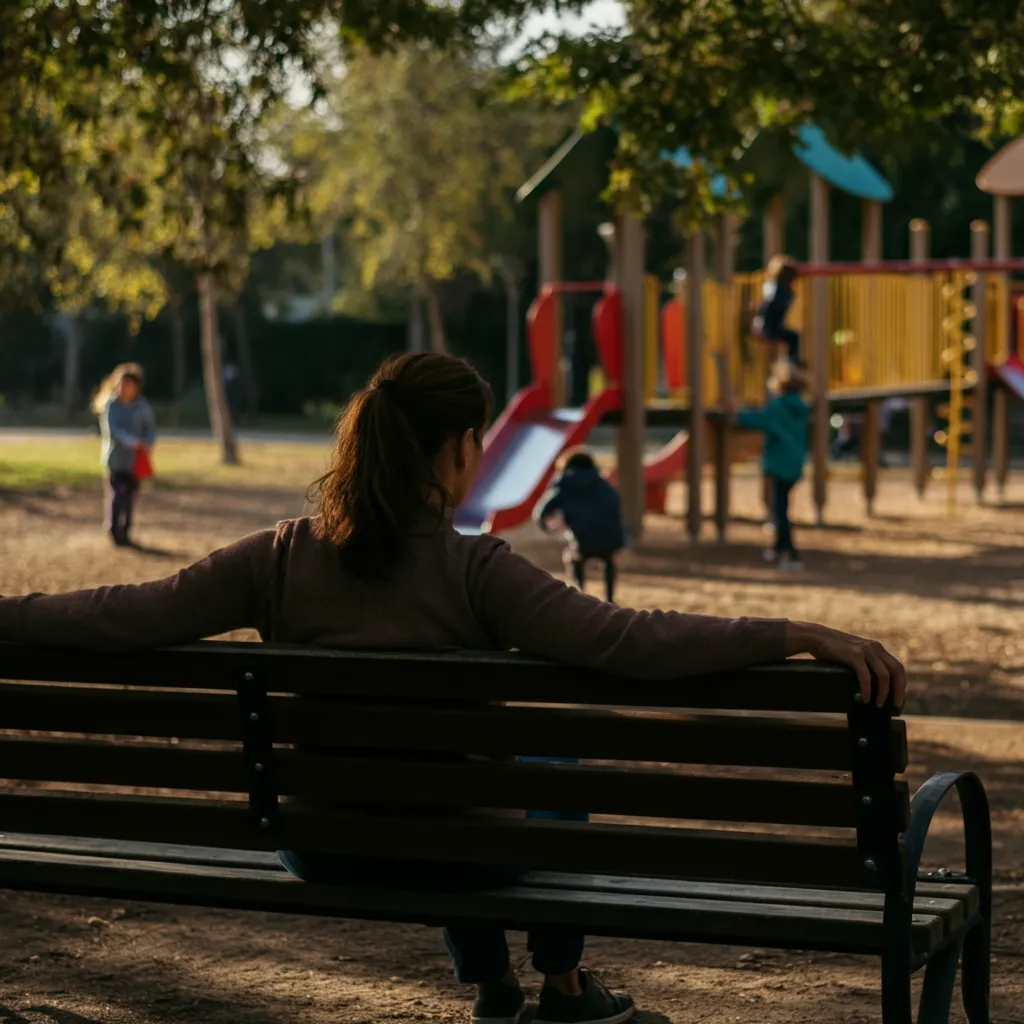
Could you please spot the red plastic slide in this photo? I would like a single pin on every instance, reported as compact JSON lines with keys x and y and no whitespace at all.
{"x":660,"y":469}
{"x":523,"y":446}
{"x":520,"y":452}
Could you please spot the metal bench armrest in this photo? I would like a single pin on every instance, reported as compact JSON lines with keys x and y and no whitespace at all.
{"x":977,"y":824}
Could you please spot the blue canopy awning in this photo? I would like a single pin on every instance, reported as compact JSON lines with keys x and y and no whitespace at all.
{"x":852,"y":174}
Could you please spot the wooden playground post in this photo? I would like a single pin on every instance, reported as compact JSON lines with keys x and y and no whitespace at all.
{"x":631,"y":435}
{"x":871,"y":442}
{"x":979,"y":362}
{"x":920,"y":410}
{"x":773,"y":234}
{"x":725,"y":259}
{"x":1002,"y":228}
{"x":1003,"y":250}
{"x":819,"y":251}
{"x":695,"y":373}
{"x":871,"y":451}
{"x":870,"y":231}
{"x":551,"y":271}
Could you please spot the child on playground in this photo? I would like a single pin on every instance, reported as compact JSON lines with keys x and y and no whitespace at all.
{"x":588,"y":509}
{"x":129,"y":431}
{"x":381,"y":566}
{"x":784,"y":421}
{"x":776,"y":299}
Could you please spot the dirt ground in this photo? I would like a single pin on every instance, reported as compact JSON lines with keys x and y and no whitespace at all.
{"x":944,"y":594}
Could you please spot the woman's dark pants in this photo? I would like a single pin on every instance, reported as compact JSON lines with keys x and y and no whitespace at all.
{"x":479,"y":951}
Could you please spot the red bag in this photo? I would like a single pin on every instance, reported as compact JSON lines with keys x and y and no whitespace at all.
{"x":143,"y":468}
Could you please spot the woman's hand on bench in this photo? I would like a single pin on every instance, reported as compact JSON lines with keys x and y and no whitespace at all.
{"x":865,"y":657}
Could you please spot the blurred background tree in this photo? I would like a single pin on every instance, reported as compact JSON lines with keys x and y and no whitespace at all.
{"x":415,"y":156}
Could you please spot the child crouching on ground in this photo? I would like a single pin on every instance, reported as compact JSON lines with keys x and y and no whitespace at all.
{"x":587,"y":507}
{"x":784,"y":421}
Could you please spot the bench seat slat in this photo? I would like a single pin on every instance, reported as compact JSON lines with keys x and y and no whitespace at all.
{"x":636,"y":791}
{"x":954,"y":905}
{"x":597,"y":912}
{"x":127,"y":849}
{"x":954,"y":902}
{"x":601,"y":847}
{"x":451,"y":675}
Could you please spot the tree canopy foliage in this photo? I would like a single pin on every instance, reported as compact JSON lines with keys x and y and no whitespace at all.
{"x":711,"y":74}
{"x":707,"y":74}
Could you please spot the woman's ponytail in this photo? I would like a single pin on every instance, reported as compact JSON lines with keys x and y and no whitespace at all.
{"x":382,"y":474}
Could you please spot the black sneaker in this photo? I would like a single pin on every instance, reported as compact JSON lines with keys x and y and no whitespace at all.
{"x":595,"y":1005}
{"x":498,"y":1003}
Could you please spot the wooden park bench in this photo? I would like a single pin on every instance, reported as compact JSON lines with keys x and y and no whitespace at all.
{"x":767,"y":813}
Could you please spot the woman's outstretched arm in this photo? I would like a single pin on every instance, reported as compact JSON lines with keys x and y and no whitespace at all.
{"x":224,"y":591}
{"x":523,"y":607}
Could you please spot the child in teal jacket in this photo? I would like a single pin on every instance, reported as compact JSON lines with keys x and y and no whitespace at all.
{"x":784,"y":421}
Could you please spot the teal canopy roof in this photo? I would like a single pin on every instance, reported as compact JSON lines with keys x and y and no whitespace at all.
{"x":852,"y":174}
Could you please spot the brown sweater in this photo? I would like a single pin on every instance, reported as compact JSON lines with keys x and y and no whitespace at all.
{"x":450,"y":592}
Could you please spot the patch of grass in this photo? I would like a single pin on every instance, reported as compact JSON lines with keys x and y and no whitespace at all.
{"x":42,"y":467}
{"x":38,"y":476}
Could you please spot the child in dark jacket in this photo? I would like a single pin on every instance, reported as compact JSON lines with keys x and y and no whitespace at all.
{"x":784,"y":421}
{"x":777,"y":298}
{"x":587,"y":507}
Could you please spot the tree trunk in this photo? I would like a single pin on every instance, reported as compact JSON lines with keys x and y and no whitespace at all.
{"x":511,"y":335}
{"x":328,"y":273}
{"x":213,"y":372}
{"x":438,"y":339}
{"x":246,"y":364}
{"x":178,"y":355}
{"x":72,"y":362}
{"x":416,"y":321}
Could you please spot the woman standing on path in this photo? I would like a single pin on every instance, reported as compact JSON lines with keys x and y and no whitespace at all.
{"x":382,"y":566}
{"x":129,"y":431}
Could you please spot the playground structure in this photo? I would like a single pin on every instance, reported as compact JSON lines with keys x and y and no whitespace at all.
{"x":872,"y":331}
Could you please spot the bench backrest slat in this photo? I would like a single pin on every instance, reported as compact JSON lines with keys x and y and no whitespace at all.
{"x":457,"y":675}
{"x":609,"y":790}
{"x":112,"y":712}
{"x":586,"y":733}
{"x":570,"y":732}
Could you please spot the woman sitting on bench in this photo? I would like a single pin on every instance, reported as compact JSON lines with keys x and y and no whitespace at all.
{"x":381,"y":566}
